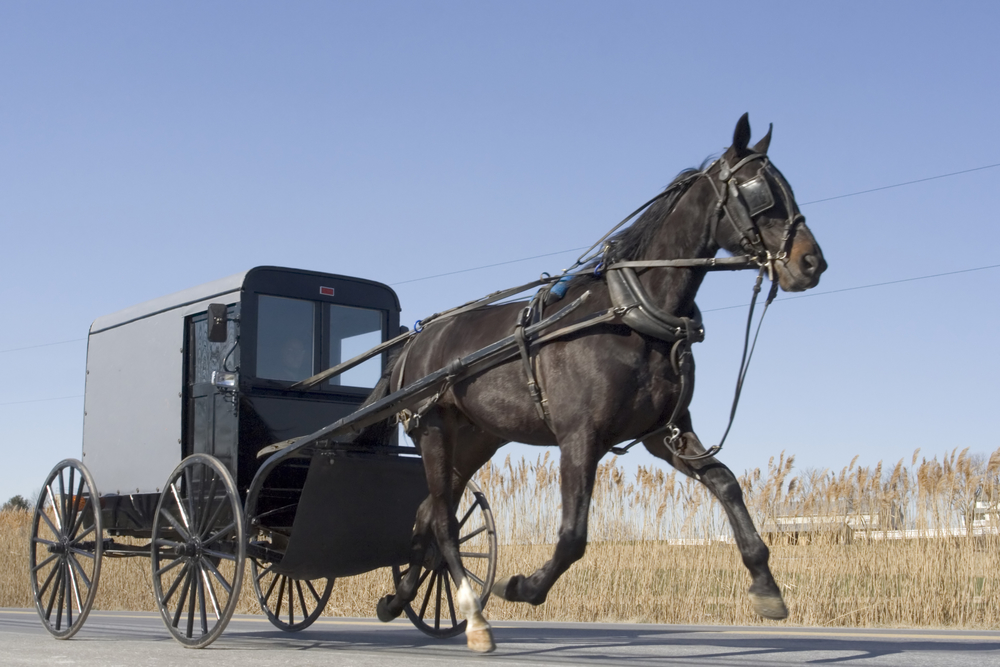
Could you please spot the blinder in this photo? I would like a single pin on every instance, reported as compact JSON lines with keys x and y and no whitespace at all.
{"x":757,"y":194}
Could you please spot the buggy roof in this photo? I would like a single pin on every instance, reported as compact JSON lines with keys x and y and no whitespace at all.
{"x":164,"y":303}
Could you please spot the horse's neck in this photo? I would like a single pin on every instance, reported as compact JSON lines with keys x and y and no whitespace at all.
{"x":684,"y":234}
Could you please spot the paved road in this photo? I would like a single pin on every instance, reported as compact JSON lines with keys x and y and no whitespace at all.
{"x":138,"y":639}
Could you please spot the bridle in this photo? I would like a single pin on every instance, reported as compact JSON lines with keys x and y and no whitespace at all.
{"x":741,"y":203}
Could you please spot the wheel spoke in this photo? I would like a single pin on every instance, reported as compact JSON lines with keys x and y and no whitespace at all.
{"x":65,"y":500}
{"x":437,"y":607}
{"x":274,"y":582}
{"x":302,"y":598}
{"x":291,"y":602}
{"x":76,"y":512}
{"x":210,"y":500}
{"x":316,"y":596}
{"x":185,"y":535}
{"x":466,"y":538}
{"x":79,"y":538}
{"x":218,"y":575}
{"x":57,"y":573}
{"x":57,"y":529}
{"x":186,"y":529}
{"x":219,"y":534}
{"x":211,"y":594}
{"x":281,"y":595}
{"x":169,"y":566}
{"x":52,"y":527}
{"x":182,"y":577}
{"x":467,"y":515}
{"x":83,"y":573}
{"x":427,"y":595}
{"x":201,"y":602}
{"x":74,"y":588}
{"x":191,"y":600}
{"x":473,"y":554}
{"x":184,"y":591}
{"x":62,"y":594}
{"x":471,"y":575}
{"x":189,"y":497}
{"x":222,"y":555}
{"x":36,"y":568}
{"x":451,"y":602}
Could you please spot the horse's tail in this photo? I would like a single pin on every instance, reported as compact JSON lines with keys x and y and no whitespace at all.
{"x":379,"y":432}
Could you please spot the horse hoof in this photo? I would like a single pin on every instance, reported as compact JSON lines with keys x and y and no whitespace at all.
{"x":769,"y":606}
{"x":382,"y":610}
{"x":480,"y":640}
{"x":500,"y":589}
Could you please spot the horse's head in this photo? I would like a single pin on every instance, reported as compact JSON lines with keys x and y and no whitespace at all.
{"x":759,"y":216}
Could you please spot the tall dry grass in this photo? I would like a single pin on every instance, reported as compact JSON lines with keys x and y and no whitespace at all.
{"x":661,"y":550}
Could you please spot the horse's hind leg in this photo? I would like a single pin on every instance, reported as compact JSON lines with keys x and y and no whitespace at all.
{"x":437,"y":436}
{"x":475,"y":450}
{"x":764,"y":592}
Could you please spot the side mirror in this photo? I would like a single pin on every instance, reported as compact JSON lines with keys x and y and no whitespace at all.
{"x":217,"y":330}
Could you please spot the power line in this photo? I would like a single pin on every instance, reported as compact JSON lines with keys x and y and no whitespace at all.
{"x":899,"y":185}
{"x":42,"y":400}
{"x":487,"y":266}
{"x":31,"y":347}
{"x":857,"y":287}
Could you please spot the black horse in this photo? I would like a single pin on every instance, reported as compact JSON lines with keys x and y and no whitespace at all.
{"x":607,"y":383}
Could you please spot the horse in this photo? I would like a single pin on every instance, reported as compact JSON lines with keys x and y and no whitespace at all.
{"x":603,"y":384}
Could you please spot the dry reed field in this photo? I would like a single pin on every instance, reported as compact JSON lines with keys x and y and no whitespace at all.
{"x":901,"y":545}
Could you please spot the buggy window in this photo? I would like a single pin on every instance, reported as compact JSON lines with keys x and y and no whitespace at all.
{"x":351,"y":332}
{"x":285,"y":344}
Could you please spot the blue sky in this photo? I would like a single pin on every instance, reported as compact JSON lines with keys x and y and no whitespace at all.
{"x":150,"y":147}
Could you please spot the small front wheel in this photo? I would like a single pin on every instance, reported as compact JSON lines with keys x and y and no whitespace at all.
{"x":198,"y":550}
{"x":290,"y":604}
{"x":66,"y":546}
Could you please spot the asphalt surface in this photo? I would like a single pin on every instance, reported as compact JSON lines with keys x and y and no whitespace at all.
{"x":131,"y":638}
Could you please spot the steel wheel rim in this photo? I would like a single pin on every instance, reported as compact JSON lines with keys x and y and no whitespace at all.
{"x":65,"y":554}
{"x":435,"y":590}
{"x":198,"y":551}
{"x":285,"y":599}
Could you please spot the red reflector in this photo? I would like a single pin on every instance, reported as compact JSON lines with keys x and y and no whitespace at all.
{"x":326,"y":291}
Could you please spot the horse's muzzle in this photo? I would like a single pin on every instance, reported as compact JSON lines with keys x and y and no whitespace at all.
{"x":802,"y":270}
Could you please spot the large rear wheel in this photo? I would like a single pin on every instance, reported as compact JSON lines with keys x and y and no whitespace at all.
{"x":198,"y":550}
{"x":434,"y":609}
{"x":66,"y":546}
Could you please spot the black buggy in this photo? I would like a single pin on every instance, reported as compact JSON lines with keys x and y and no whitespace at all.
{"x":209,"y":450}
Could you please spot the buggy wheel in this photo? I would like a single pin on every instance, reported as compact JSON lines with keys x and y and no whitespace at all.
{"x":434,"y":609}
{"x":66,"y":544}
{"x":290,"y":604}
{"x":198,"y":550}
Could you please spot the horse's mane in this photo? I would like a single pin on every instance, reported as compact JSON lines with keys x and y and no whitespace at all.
{"x":631,"y":242}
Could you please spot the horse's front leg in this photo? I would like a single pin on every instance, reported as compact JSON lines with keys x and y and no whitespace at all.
{"x":764,"y":592}
{"x":578,"y":467}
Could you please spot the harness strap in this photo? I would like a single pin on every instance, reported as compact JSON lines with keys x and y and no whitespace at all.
{"x":530,"y":315}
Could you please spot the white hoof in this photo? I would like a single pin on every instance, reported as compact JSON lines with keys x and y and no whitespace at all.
{"x":480,"y":640}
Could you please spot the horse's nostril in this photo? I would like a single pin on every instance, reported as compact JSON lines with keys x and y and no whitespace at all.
{"x":809,"y":264}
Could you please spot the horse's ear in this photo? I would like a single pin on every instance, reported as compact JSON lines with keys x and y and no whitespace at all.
{"x":761,"y":146}
{"x":741,"y":136}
